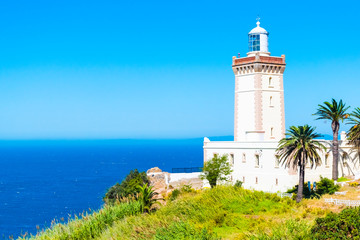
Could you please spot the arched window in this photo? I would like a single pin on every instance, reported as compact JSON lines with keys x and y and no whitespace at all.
{"x":277,"y":161}
{"x":326,"y":159}
{"x":257,"y":160}
{"x":232,"y":159}
{"x":271,"y":101}
{"x":270,"y":82}
{"x":243,"y":157}
{"x":272,"y":132}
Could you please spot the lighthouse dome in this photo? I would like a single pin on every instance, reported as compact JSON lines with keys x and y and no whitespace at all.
{"x":258,"y":40}
{"x":258,"y":29}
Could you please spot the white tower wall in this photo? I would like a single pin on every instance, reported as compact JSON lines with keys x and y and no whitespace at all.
{"x":259,"y":98}
{"x":264,"y":43}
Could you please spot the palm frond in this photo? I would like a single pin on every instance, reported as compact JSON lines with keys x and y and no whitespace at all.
{"x":334,"y":111}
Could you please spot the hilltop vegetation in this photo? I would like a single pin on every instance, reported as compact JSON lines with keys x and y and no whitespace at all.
{"x":223,"y":212}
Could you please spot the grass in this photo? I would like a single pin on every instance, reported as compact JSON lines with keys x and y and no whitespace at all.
{"x":225,"y":212}
{"x":87,"y":226}
{"x":343,"y":179}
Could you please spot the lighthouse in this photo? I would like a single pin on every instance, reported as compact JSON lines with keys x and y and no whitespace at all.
{"x":259,"y":123}
{"x":259,"y":113}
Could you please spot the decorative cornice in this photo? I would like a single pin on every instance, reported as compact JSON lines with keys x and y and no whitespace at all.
{"x":259,"y":59}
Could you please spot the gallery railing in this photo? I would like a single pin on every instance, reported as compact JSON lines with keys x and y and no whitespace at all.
{"x":186,"y":170}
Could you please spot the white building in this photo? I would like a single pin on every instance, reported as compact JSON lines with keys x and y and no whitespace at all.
{"x":259,"y":124}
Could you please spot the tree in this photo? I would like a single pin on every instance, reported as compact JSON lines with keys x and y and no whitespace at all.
{"x":146,"y":197}
{"x":335,"y":112}
{"x":297,"y":149}
{"x":353,"y":134}
{"x":129,"y":186}
{"x":216,"y":169}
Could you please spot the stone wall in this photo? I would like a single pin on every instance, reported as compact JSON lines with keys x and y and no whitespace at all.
{"x":164,"y":182}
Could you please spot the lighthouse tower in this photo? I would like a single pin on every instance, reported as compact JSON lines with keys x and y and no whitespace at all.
{"x":259,"y":92}
{"x":260,"y":123}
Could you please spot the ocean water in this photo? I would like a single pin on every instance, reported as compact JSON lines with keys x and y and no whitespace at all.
{"x":43,"y":180}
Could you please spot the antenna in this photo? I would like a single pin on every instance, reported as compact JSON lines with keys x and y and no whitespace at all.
{"x":258,"y":21}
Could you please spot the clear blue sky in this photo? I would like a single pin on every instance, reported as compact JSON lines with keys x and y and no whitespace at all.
{"x":162,"y":69}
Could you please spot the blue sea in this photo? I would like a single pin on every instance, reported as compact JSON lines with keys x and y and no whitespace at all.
{"x":45,"y":180}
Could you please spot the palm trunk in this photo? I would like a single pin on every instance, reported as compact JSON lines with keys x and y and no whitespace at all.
{"x":301,"y":181}
{"x":335,"y":172}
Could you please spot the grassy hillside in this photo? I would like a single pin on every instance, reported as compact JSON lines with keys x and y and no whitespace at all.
{"x":225,"y":212}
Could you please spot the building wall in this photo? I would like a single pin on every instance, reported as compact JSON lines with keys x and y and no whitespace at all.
{"x":256,"y":164}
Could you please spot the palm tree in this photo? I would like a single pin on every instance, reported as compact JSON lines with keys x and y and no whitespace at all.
{"x":147,"y":197}
{"x":334,"y":111}
{"x":297,"y":149}
{"x":353,"y":134}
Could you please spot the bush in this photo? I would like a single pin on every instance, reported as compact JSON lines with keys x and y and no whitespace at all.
{"x":353,"y":184}
{"x":187,"y":188}
{"x":326,"y":186}
{"x":129,"y":186}
{"x":216,"y":169}
{"x":306,"y":192}
{"x":174,"y":194}
{"x":343,"y":225}
{"x":238,"y":184}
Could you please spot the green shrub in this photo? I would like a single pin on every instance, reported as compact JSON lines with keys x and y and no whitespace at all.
{"x":306,"y":192}
{"x":129,"y":186}
{"x":174,"y":194}
{"x":326,"y":186}
{"x":216,"y":169}
{"x":238,"y":183}
{"x":343,"y":225}
{"x":187,"y":188}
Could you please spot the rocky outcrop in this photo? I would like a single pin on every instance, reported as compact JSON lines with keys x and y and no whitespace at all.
{"x":164,"y":182}
{"x":159,"y":180}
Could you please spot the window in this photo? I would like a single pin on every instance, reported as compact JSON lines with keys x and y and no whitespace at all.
{"x":257,"y":160}
{"x":271,"y":101}
{"x":277,"y":161}
{"x":243,"y":179}
{"x":277,"y":182}
{"x":243,"y":157}
{"x":327,"y":160}
{"x":272,"y":132}
{"x":232,"y":159}
{"x":256,"y":180}
{"x":270,"y":83}
{"x":254,"y":42}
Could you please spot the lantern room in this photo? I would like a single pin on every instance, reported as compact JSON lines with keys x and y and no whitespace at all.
{"x":258,"y":41}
